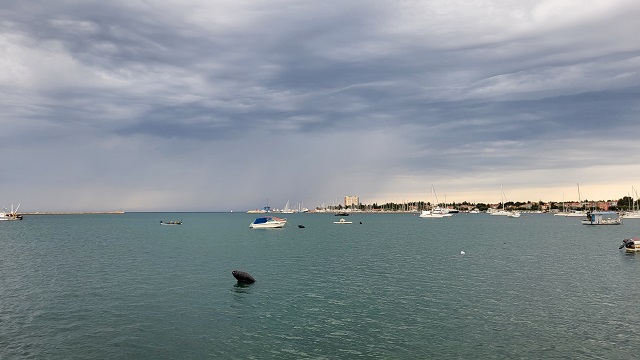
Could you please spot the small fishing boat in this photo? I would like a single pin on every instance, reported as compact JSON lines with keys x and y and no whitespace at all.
{"x":268,"y":222}
{"x":602,"y":218}
{"x":630,"y":245}
{"x":171,"y":222}
{"x":9,"y":216}
{"x":343,"y":221}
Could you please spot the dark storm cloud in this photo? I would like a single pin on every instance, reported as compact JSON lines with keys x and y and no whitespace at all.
{"x":422,"y":92}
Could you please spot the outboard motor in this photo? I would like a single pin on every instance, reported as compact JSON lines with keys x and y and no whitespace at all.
{"x":628,"y":243}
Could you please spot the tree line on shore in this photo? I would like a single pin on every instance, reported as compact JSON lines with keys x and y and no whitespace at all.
{"x":625,"y":203}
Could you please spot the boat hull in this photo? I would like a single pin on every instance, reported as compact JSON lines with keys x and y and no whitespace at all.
{"x":601,"y":222}
{"x":602,"y":218}
{"x":170,"y":222}
{"x":588,"y":222}
{"x":632,"y":215}
{"x":500,"y":213}
{"x":631,"y":245}
{"x":268,"y":223}
{"x":576,"y":214}
{"x":427,"y":214}
{"x":267,"y":226}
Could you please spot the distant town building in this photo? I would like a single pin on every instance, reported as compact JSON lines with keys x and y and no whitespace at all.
{"x":351,"y":201}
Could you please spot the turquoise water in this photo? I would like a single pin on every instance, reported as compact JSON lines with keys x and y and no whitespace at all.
{"x":394,"y":287}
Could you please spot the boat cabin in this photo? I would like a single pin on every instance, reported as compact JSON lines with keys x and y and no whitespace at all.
{"x":602,"y":218}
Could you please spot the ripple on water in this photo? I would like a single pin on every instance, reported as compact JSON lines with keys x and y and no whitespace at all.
{"x":394,"y":287}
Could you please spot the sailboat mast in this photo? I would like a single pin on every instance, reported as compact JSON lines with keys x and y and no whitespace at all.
{"x":579,"y":197}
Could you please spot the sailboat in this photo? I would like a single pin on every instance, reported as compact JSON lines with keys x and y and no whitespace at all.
{"x":577,"y":213}
{"x":286,"y":209}
{"x":634,"y":213}
{"x":502,"y":211}
{"x":564,"y":210}
{"x":438,"y":210}
{"x":434,"y":213}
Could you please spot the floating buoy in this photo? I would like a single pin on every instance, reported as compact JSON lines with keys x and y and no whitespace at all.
{"x":243,"y":276}
{"x":462,"y":253}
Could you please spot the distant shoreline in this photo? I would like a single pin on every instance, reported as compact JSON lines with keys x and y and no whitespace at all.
{"x":71,"y":213}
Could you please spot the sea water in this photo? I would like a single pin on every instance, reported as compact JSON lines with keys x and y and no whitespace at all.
{"x":388,"y":286}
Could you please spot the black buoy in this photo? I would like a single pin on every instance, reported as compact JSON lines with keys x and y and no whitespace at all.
{"x":301,"y":226}
{"x":243,"y":276}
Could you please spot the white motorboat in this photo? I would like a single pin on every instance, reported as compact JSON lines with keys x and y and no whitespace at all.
{"x":343,"y":221}
{"x":514,"y":214}
{"x":268,"y":222}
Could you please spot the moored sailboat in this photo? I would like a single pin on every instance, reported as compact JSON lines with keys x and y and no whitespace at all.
{"x":503,"y":211}
{"x":634,"y":212}
{"x":435,"y":212}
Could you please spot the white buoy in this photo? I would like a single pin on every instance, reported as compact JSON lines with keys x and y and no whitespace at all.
{"x":462,"y":252}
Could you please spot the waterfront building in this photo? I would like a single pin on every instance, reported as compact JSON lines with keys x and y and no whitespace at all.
{"x":351,"y":201}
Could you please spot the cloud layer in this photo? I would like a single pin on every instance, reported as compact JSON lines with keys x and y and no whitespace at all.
{"x":198,"y":105}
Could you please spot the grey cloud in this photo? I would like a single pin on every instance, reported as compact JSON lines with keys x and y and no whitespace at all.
{"x":427,"y":95}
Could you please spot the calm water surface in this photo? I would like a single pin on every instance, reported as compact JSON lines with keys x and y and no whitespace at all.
{"x":394,"y":287}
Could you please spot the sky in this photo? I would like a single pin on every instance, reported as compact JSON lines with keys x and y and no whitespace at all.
{"x":200,"y":105}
